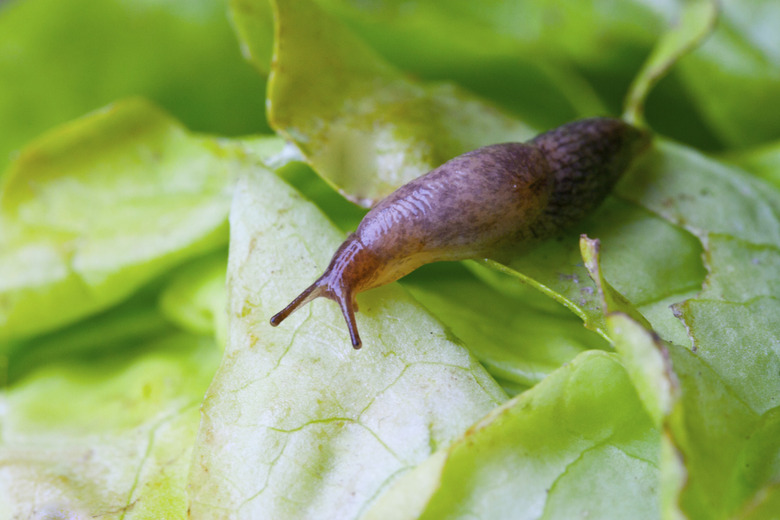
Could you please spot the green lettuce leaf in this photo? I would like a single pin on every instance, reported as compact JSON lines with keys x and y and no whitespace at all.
{"x":59,"y":61}
{"x":113,"y":233}
{"x":652,"y":263}
{"x":105,"y":434}
{"x":428,"y":36}
{"x":731,"y":385}
{"x":195,"y":297}
{"x":763,"y":161}
{"x":705,"y":196}
{"x":717,"y":400}
{"x":518,"y":339}
{"x":95,"y":209}
{"x":571,"y":446}
{"x":657,"y":235}
{"x":134,"y":321}
{"x":297,"y":423}
{"x":383,"y":129}
{"x":428,"y":42}
{"x":734,"y":77}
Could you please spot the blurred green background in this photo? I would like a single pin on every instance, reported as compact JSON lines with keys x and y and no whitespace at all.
{"x":547,"y":62}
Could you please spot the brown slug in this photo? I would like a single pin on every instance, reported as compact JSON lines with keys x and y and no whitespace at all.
{"x":479,"y":204}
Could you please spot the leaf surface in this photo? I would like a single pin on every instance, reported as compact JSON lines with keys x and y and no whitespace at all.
{"x":109,"y":434}
{"x":297,"y":423}
{"x":95,"y":209}
{"x":535,"y":456}
{"x":363,"y":125}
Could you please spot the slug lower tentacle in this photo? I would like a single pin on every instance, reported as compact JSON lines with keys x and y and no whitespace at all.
{"x":482,"y":203}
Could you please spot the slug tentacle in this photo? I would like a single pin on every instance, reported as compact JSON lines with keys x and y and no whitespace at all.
{"x":311,"y":292}
{"x":348,"y":308}
{"x":321,"y":288}
{"x":483,"y":203}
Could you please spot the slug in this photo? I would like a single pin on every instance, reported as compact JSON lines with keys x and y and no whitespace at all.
{"x":480,"y":204}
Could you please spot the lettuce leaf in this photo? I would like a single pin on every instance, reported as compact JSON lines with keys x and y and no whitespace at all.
{"x":61,"y":61}
{"x":734,"y":77}
{"x":106,"y":433}
{"x":384,"y":129}
{"x":519,"y":339}
{"x":195,"y":297}
{"x":536,"y":455}
{"x":95,"y":209}
{"x":296,"y":423}
{"x":112,"y":252}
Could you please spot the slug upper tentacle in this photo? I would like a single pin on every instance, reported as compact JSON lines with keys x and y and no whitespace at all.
{"x":486,"y":201}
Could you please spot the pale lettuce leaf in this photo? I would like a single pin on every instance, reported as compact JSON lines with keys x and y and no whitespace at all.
{"x":106,"y":435}
{"x":95,"y":209}
{"x":195,"y":297}
{"x":571,"y":446}
{"x":298,"y":424}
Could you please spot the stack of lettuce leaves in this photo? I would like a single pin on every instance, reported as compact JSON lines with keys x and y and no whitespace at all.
{"x":162,"y":196}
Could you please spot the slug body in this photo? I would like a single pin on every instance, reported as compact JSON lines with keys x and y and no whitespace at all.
{"x":479,"y":204}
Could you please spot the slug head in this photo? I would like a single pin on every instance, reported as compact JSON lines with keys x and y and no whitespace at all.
{"x":351,"y":270}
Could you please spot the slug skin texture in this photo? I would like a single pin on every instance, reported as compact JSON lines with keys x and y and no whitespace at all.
{"x":493,"y":199}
